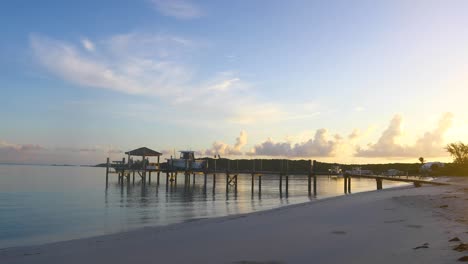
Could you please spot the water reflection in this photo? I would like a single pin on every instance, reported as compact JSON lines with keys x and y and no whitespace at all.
{"x":70,"y":202}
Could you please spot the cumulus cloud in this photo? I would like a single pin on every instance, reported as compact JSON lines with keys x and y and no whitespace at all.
{"x":429,"y":145}
{"x":180,"y":9}
{"x":225,"y":149}
{"x":321,"y":145}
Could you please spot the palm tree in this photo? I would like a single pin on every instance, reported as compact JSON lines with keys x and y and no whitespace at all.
{"x":459,"y":152}
{"x":421,"y":159}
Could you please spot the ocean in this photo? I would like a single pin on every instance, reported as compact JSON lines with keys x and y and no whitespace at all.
{"x":44,"y":204}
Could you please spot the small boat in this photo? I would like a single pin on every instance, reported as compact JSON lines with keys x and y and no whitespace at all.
{"x":186,"y":161}
{"x":336,"y":171}
{"x":358,"y":171}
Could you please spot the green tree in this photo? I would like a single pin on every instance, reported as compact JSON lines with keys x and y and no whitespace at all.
{"x":459,"y":152}
{"x":421,"y":159}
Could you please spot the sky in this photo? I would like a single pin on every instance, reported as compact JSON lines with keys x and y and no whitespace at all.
{"x":336,"y":81}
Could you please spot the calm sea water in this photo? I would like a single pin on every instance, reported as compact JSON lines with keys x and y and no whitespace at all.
{"x":41,"y":204}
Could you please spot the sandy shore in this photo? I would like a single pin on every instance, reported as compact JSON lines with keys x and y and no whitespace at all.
{"x":406,"y":225}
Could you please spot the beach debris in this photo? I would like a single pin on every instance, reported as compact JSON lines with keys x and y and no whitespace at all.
{"x":425,"y":245}
{"x":461,"y":247}
{"x":454,"y":239}
{"x":464,"y":259}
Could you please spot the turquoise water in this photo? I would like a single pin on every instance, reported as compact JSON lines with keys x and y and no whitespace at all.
{"x":42,"y":204}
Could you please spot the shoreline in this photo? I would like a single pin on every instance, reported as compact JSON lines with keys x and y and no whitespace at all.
{"x":274,"y":227}
{"x":214,"y":218}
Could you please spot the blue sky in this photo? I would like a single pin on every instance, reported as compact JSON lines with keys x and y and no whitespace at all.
{"x":337,"y":81}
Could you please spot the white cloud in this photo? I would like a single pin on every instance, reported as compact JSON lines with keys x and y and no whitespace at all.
{"x":181,"y":9}
{"x":224,"y":149}
{"x":428,"y":145}
{"x":322,"y":145}
{"x":87,"y":44}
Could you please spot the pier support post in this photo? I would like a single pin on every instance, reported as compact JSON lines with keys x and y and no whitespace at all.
{"x":281,"y":182}
{"x":349,"y":184}
{"x":214,"y":182}
{"x":287,"y":184}
{"x":204,"y":182}
{"x":227,"y":182}
{"x":260,"y":183}
{"x":235,"y":182}
{"x":107,"y":172}
{"x":133,"y":177}
{"x":309,"y":178}
{"x":157,"y":180}
{"x":252,"y":183}
{"x":315,"y":176}
{"x":167,"y":179}
{"x":193,"y":180}
{"x":345,"y":178}
{"x":379,"y":184}
{"x":149,"y":177}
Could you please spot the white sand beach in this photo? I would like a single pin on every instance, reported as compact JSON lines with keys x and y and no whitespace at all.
{"x":403,"y":225}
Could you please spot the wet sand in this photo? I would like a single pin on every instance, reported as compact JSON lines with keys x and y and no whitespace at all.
{"x":404,"y":225}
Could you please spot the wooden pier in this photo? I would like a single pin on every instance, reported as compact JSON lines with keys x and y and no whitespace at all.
{"x":257,"y":168}
{"x":379,"y":179}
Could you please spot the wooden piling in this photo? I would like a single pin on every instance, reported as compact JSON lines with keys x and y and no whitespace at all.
{"x":345,"y":184}
{"x":252,"y":182}
{"x":315,"y":176}
{"x":281,"y":182}
{"x":214,"y":182}
{"x":133,"y":177}
{"x":149,"y":177}
{"x":260,"y":183}
{"x":349,"y":184}
{"x":107,"y":172}
{"x":204,"y":182}
{"x":157,"y":180}
{"x":379,"y":184}
{"x":227,"y":182}
{"x":309,"y":177}
{"x":193,"y":180}
{"x":287,"y":184}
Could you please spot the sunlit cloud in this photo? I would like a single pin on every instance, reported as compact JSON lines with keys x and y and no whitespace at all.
{"x":180,"y":9}
{"x":224,"y":149}
{"x":321,"y":145}
{"x":430,"y":144}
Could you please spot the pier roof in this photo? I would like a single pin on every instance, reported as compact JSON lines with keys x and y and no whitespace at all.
{"x":143,"y":151}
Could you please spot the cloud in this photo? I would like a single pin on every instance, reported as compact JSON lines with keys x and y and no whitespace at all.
{"x":115,"y":69}
{"x":428,"y":145}
{"x":6,"y":146}
{"x":180,"y":9}
{"x":355,"y":134}
{"x":87,"y":44}
{"x":321,"y":145}
{"x":224,"y":149}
